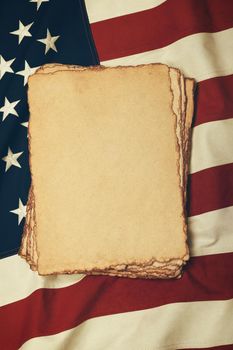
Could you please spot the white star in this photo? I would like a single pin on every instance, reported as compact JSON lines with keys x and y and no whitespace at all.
{"x":39,"y":2}
{"x":9,"y":108}
{"x":5,"y":66}
{"x":49,"y":42}
{"x":11,"y":159}
{"x":22,"y":31}
{"x":27,"y":72}
{"x":20,"y":211}
{"x":25,"y":124}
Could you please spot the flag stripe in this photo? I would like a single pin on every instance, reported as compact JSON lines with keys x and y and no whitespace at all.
{"x":26,"y":280}
{"x":212,"y":145}
{"x":123,"y":36}
{"x":214,"y":100}
{"x":114,"y":8}
{"x":158,"y":27}
{"x":182,"y":322}
{"x":214,"y":52}
{"x":221,"y":347}
{"x":211,"y":233}
{"x":205,"y":278}
{"x":206,"y":194}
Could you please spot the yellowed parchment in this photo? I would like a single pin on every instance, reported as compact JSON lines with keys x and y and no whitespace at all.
{"x":109,"y":159}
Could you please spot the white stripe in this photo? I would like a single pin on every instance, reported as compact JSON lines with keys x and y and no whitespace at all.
{"x":212,"y":145}
{"x":18,"y":280}
{"x":105,"y":9}
{"x":172,"y":326}
{"x":211,"y":233}
{"x":200,"y":56}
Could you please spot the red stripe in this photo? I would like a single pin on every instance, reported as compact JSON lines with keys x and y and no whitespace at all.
{"x":49,"y":311}
{"x":221,"y":347}
{"x":160,"y":26}
{"x":214,"y":100}
{"x":210,"y":189}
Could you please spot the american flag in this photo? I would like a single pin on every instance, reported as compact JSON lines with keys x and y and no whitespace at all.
{"x":98,"y":312}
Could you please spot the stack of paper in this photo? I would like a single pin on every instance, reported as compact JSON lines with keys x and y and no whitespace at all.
{"x":109,"y":155}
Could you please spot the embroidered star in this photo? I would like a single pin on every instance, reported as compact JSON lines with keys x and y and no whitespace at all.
{"x":5,"y":66}
{"x":49,"y":42}
{"x":9,"y":108}
{"x":11,"y":159}
{"x":26,"y":72}
{"x":20,"y":211}
{"x":39,"y":2}
{"x":22,"y":31}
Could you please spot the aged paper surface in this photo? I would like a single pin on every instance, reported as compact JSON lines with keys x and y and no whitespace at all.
{"x":109,"y":160}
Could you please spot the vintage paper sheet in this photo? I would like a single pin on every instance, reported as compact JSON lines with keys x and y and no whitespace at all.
{"x":109,"y":154}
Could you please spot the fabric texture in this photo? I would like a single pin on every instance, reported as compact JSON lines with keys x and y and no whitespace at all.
{"x":78,"y":312}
